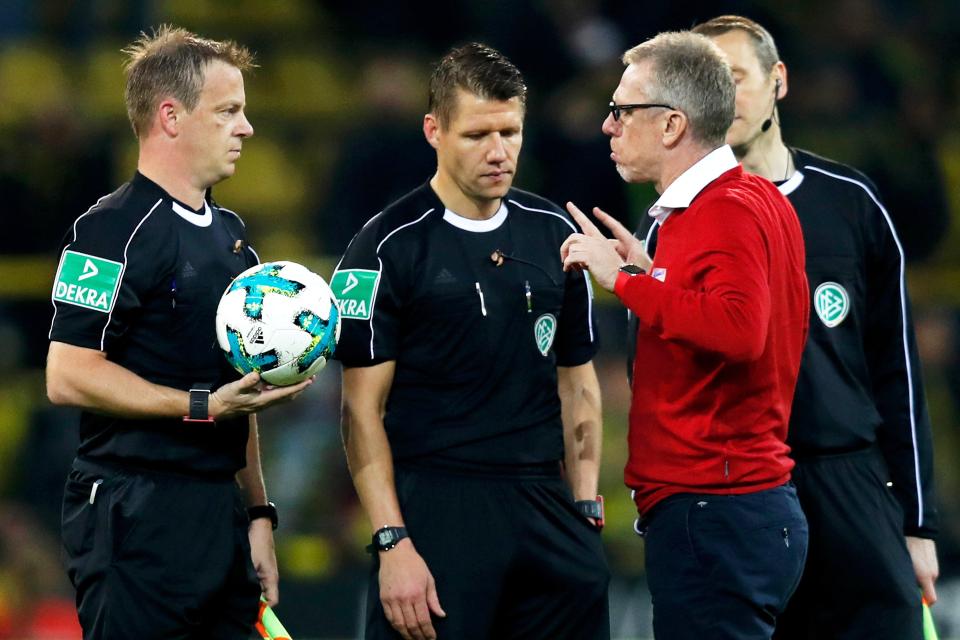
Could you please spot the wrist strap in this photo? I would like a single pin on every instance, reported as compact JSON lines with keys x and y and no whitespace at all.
{"x":199,"y":404}
{"x":386,"y":538}
{"x":591,"y":509}
{"x":268,"y":510}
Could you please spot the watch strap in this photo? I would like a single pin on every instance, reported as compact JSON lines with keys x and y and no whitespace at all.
{"x":199,"y":404}
{"x":386,"y":538}
{"x":268,"y":510}
{"x":632,"y":269}
{"x":591,"y":509}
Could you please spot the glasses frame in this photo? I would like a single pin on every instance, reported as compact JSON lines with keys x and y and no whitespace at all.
{"x":616,"y":110}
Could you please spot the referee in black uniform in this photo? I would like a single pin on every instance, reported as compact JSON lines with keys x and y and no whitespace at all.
{"x":859,"y":428}
{"x":157,"y":538}
{"x":467,"y":382}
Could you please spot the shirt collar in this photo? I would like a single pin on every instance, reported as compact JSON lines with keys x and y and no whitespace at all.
{"x":789,"y":186}
{"x":688,"y":184}
{"x":194,"y":217}
{"x":477,"y":226}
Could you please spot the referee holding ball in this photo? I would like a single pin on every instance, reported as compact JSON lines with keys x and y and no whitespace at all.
{"x":157,"y":540}
{"x":467,"y":380}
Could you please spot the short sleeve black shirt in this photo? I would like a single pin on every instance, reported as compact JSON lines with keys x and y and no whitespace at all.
{"x":140,"y":277}
{"x":477,"y":316}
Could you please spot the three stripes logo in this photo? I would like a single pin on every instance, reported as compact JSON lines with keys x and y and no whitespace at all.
{"x":832,"y":303}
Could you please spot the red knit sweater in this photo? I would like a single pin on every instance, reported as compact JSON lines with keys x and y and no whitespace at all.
{"x":719,"y":344}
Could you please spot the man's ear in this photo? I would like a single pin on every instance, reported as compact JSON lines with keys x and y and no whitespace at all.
{"x":431,"y":130}
{"x":780,"y":74}
{"x":168,"y":116}
{"x":674,"y":127}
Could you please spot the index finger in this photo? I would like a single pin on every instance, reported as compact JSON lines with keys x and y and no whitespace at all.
{"x":288,"y":392}
{"x":619,"y":231}
{"x":297,"y":387}
{"x":581,"y":219}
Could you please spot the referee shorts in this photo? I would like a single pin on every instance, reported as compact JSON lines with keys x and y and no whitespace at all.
{"x":157,"y":556}
{"x":511,"y":557}
{"x":859,"y":581}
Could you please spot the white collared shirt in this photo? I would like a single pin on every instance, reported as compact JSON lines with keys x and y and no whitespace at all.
{"x":688,"y":184}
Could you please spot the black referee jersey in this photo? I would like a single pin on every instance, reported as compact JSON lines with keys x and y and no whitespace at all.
{"x":477,"y":316}
{"x":140,"y":277}
{"x":860,"y":382}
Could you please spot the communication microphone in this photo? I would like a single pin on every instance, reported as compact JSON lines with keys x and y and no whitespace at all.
{"x":769,"y":121}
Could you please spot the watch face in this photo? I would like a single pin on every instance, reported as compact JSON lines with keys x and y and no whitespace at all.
{"x":632,"y":269}
{"x":384,"y":538}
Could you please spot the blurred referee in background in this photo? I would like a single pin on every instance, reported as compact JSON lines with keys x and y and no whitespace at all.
{"x":859,"y":428}
{"x":157,"y":540}
{"x":467,"y":379}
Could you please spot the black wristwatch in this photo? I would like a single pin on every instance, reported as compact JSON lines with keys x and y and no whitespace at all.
{"x":386,"y":538}
{"x":268,"y":510}
{"x":199,"y":404}
{"x":591,"y":509}
{"x":632,"y":269}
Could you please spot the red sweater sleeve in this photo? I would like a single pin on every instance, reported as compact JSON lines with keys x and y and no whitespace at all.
{"x":716,"y":296}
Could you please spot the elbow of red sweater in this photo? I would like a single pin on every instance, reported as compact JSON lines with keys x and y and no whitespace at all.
{"x":744,"y":342}
{"x":748,"y":352}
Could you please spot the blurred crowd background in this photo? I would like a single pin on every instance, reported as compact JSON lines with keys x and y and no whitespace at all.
{"x":337,"y":105}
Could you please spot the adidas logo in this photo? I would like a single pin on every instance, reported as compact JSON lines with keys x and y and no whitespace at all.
{"x":188,"y":271}
{"x":256,"y":336}
{"x":444,"y":277}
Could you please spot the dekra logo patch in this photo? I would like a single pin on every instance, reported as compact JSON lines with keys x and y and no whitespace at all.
{"x":87,"y":281}
{"x":354,"y":290}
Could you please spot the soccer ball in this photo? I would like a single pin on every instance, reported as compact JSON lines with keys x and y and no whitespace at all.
{"x":279,"y":319}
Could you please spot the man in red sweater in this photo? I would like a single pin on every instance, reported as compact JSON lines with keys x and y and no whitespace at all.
{"x":723,"y":313}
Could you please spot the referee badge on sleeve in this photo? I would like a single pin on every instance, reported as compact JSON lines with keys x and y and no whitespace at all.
{"x":87,"y":281}
{"x":354,"y":290}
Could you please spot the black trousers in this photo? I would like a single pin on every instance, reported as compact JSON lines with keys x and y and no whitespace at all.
{"x":157,"y":556}
{"x":511,"y":557}
{"x":859,"y":581}
{"x":722,"y":567}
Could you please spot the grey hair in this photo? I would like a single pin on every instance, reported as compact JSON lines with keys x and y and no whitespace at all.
{"x":691,"y":74}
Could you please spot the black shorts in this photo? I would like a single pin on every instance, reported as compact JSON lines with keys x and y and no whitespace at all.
{"x":511,"y":557}
{"x":859,"y":580}
{"x":159,"y":556}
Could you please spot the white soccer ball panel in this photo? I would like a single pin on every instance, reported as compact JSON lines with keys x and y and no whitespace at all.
{"x":230,"y":313}
{"x":316,"y":295}
{"x":283,"y":339}
{"x":282,"y":334}
{"x":288,"y":374}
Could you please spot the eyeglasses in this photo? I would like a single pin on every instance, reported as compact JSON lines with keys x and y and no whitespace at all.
{"x":617,"y":109}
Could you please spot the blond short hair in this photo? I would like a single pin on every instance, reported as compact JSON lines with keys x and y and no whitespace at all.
{"x":763,"y":44}
{"x":172,"y":63}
